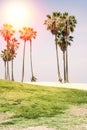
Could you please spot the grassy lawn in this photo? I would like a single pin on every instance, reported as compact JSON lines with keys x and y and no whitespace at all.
{"x":23,"y":105}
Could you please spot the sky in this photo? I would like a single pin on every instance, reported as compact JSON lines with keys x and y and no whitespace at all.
{"x":44,"y":54}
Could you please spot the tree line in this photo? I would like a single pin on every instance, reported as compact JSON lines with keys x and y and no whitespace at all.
{"x":12,"y":45}
{"x":61,"y":25}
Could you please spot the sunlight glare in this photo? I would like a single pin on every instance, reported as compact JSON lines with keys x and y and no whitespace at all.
{"x":18,"y":14}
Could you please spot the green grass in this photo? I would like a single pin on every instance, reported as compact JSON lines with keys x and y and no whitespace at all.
{"x":24,"y":105}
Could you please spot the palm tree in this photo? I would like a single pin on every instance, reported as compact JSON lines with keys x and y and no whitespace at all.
{"x":53,"y":24}
{"x":6,"y":56}
{"x":32,"y":35}
{"x":27,"y":34}
{"x":7,"y":32}
{"x":23,"y":36}
{"x":69,"y":25}
{"x":12,"y":47}
{"x":61,"y":41}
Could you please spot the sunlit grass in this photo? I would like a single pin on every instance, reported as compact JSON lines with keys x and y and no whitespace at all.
{"x":25,"y":105}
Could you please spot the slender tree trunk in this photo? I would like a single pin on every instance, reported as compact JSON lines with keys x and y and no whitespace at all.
{"x":67,"y":80}
{"x":23,"y":61}
{"x":58,"y":68}
{"x":8,"y":74}
{"x":64,"y":66}
{"x":5,"y":70}
{"x":12,"y":73}
{"x":31,"y":60}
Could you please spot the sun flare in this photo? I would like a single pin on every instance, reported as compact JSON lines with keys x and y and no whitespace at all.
{"x":18,"y":14}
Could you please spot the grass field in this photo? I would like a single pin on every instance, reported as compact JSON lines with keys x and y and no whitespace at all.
{"x":23,"y":105}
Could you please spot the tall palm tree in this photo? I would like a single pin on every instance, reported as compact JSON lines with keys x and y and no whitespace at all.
{"x":53,"y":24}
{"x":23,"y":36}
{"x":12,"y":47}
{"x":3,"y":56}
{"x":61,"y":41}
{"x":6,"y":56}
{"x":27,"y":34}
{"x":7,"y":32}
{"x":32,"y":35}
{"x":69,"y":25}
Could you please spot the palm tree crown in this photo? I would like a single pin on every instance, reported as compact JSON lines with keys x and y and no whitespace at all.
{"x":7,"y":32}
{"x":13,"y":46}
{"x":53,"y":22}
{"x":27,"y":34}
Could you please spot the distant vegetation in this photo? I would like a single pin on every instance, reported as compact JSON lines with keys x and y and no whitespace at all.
{"x":60,"y":25}
{"x":12,"y":45}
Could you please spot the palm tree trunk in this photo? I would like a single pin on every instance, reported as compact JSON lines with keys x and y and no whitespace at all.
{"x":23,"y":61}
{"x":12,"y":74}
{"x":58,"y":68}
{"x":31,"y":59}
{"x":67,"y":80}
{"x":8,"y":74}
{"x":64,"y":66}
{"x":5,"y":70}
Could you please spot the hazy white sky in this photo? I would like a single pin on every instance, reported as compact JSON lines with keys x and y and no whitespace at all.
{"x":44,"y":55}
